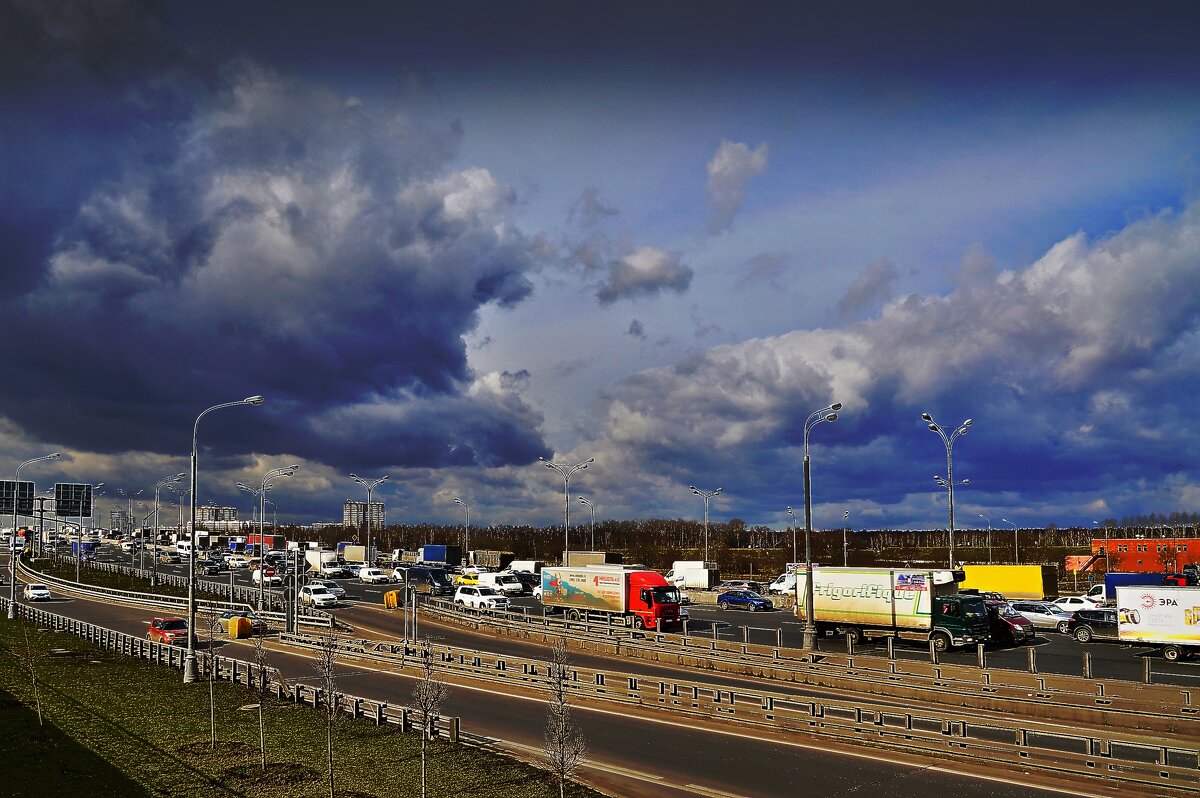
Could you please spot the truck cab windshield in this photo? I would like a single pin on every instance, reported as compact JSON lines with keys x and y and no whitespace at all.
{"x":974,"y":608}
{"x":666,"y":595}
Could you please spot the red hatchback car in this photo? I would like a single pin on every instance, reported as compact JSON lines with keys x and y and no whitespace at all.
{"x":171,"y":631}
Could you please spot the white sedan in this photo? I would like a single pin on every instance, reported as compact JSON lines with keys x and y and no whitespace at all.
{"x":317,"y":596}
{"x":36,"y":593}
{"x":481,"y":597}
{"x":1071,"y":603}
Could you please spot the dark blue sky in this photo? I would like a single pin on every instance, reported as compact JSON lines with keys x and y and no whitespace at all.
{"x":445,"y":239}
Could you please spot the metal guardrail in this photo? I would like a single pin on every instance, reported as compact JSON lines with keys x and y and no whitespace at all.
{"x":1158,"y":708}
{"x":237,"y":672}
{"x":306,"y":616}
{"x":1132,"y":759}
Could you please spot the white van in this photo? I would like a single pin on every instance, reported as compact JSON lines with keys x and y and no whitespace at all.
{"x":505,"y":583}
{"x":184,"y":547}
{"x":783,"y":584}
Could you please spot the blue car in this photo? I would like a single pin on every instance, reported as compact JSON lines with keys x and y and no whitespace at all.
{"x":743,"y":600}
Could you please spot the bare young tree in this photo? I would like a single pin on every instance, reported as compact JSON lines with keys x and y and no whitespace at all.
{"x":262,"y":686}
{"x":210,"y":648}
{"x":565,"y":746}
{"x":428,"y":694}
{"x":28,"y":655}
{"x":326,"y":665}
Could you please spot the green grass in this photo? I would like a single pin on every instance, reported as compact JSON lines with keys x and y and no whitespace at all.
{"x":114,"y":726}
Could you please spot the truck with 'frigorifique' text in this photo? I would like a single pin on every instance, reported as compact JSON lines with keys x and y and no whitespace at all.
{"x":600,"y":593}
{"x":904,"y":603}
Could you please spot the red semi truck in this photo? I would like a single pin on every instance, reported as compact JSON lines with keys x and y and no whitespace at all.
{"x":273,"y":542}
{"x":639,"y":597}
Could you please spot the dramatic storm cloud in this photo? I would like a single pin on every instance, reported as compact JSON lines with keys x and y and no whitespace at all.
{"x":645,"y":272}
{"x":290,"y":241}
{"x":1060,"y":354}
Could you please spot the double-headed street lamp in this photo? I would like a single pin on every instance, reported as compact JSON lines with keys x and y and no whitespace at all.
{"x":370,"y":486}
{"x":825,"y":414}
{"x":948,"y":483}
{"x":261,"y":494}
{"x":129,"y":497}
{"x":1016,"y":551}
{"x":168,"y":482}
{"x":79,"y":534}
{"x":12,"y":554}
{"x":591,"y":507}
{"x":189,"y":661}
{"x":792,"y":513}
{"x":706,"y":496}
{"x":565,"y":472}
{"x":466,"y":526}
{"x":989,"y":524}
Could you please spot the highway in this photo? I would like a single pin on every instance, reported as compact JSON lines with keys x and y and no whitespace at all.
{"x":630,"y":754}
{"x":1055,"y":653}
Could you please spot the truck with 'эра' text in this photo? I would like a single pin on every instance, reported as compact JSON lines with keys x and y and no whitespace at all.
{"x":598,"y":593}
{"x":1028,"y":582}
{"x":905,"y":603}
{"x":1165,"y":617}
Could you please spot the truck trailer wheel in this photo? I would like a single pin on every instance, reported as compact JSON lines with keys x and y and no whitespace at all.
{"x":1172,"y":653}
{"x":854,"y":634}
{"x":638,"y":623}
{"x":941,"y":641}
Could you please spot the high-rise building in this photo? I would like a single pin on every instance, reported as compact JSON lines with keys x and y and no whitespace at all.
{"x":352,"y":514}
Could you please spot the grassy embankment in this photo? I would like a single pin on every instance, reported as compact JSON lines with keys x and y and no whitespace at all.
{"x":114,"y":726}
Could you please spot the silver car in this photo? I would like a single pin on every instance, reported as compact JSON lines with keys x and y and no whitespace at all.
{"x":1043,"y":614}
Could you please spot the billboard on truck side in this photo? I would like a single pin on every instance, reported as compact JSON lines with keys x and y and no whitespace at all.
{"x":584,"y":588}
{"x":882,"y":597}
{"x":1158,"y":615}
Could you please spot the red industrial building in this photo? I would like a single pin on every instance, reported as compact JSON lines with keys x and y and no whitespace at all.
{"x":1146,"y":555}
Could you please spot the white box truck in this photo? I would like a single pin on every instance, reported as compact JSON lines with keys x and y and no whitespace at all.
{"x":694,"y":574}
{"x":1165,"y":617}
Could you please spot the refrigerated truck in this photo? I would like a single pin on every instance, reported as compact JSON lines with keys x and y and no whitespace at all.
{"x":1028,"y":582}
{"x":1165,"y":617}
{"x":905,"y":603}
{"x":694,"y":574}
{"x":599,"y":593}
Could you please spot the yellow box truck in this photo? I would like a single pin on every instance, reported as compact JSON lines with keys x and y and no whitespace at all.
{"x":1030,"y":582}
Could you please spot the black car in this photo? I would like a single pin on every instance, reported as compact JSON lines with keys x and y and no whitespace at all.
{"x":528,"y":581}
{"x":1097,"y":624}
{"x":209,"y":567}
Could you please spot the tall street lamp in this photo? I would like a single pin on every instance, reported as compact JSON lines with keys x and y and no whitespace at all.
{"x":845,"y":542}
{"x":989,"y":524}
{"x":1106,"y":568}
{"x":261,"y":494}
{"x":12,"y":554}
{"x":466,"y":526}
{"x":370,"y":486}
{"x":591,"y":507}
{"x":168,"y":482}
{"x":1016,"y":543}
{"x":706,"y":496}
{"x":189,"y":662}
{"x":565,"y":472}
{"x":79,"y":534}
{"x":129,"y":497}
{"x":948,"y":483}
{"x":810,"y":624}
{"x":792,"y":513}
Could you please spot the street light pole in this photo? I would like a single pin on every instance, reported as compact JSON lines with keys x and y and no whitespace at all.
{"x":845,"y":545}
{"x":792,"y":513}
{"x":591,"y":507}
{"x":948,"y":483}
{"x":12,"y":554}
{"x":129,"y":497}
{"x":706,"y":496}
{"x":565,"y":472}
{"x":162,"y":483}
{"x":370,"y":486}
{"x":466,"y":527}
{"x":810,"y":625}
{"x":189,"y":662}
{"x":1016,"y":542}
{"x":261,"y":495}
{"x":79,"y":534}
{"x":989,"y":523}
{"x":1106,"y":568}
